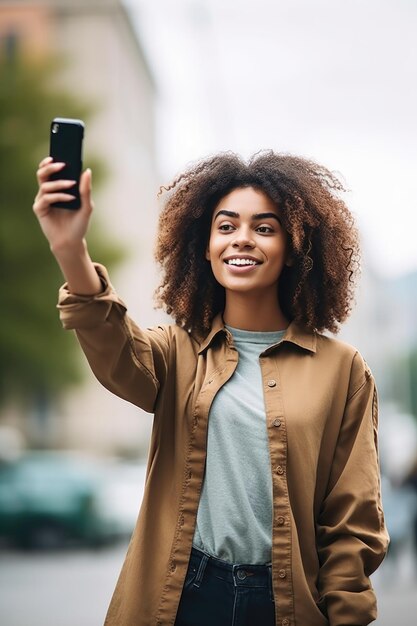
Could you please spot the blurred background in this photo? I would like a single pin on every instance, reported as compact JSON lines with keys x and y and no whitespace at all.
{"x":161,"y":83}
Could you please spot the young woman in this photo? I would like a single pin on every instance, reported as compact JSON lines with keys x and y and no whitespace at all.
{"x":262,"y":499}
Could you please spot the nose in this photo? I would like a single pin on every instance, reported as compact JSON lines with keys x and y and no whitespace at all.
{"x":243,"y":239}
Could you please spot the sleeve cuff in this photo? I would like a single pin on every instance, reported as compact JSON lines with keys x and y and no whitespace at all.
{"x":83,"y":311}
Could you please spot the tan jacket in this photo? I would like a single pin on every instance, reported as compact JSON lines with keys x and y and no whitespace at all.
{"x":321,"y":411}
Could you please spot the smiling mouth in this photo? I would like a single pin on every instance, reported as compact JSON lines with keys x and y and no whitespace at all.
{"x":241,"y":262}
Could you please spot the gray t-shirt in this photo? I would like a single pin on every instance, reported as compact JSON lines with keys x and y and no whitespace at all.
{"x":234,"y":519}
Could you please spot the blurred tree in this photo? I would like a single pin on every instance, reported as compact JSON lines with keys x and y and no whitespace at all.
{"x":403,"y":373}
{"x":38,"y":360}
{"x":412,"y":364}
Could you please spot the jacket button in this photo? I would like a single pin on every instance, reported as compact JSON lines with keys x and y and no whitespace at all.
{"x":280,"y":520}
{"x":282,"y":573}
{"x":271,"y":383}
{"x":279,"y":470}
{"x":277,"y":422}
{"x":285,"y":622}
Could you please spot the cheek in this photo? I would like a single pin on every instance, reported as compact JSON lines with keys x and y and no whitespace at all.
{"x":213,"y":253}
{"x":214,"y":249}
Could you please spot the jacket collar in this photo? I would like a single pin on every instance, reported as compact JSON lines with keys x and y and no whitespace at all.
{"x":295,"y":333}
{"x":217,"y":327}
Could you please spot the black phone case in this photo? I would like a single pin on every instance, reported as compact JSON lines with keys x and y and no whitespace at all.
{"x":66,"y":142}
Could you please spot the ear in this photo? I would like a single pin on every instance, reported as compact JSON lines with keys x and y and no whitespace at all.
{"x":207,"y":254}
{"x":289,"y":262}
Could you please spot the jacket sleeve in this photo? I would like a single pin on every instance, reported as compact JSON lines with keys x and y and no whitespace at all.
{"x":129,"y":361}
{"x":351,"y":536}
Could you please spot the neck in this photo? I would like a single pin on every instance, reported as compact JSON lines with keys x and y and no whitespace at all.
{"x":251,"y":312}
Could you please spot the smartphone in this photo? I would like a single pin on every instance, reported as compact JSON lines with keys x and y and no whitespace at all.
{"x":66,"y":145}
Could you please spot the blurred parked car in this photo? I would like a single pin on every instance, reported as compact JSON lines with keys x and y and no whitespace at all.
{"x":52,"y":499}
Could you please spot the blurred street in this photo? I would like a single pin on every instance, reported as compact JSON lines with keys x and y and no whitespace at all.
{"x":62,"y":588}
{"x":66,"y":588}
{"x":160,"y":85}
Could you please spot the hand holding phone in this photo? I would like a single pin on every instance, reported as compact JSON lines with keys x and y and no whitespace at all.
{"x":62,"y":186}
{"x":66,"y":143}
{"x":66,"y":230}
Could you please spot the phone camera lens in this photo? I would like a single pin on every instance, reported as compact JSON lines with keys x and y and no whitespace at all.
{"x":55,"y":128}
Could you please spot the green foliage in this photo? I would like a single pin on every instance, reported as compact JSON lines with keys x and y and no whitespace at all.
{"x":37,"y":356}
{"x":408,"y":364}
{"x":404,"y":380}
{"x":413,"y":381}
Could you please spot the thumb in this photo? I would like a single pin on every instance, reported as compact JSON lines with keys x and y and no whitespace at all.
{"x":85,"y":189}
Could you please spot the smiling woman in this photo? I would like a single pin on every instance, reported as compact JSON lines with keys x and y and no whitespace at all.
{"x":247,"y":250}
{"x":262,"y":499}
{"x":317,"y":281}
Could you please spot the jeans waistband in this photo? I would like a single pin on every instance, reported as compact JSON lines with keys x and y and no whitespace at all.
{"x":239,"y":574}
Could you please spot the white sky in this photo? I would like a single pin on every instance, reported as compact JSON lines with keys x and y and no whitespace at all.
{"x":333,"y":80}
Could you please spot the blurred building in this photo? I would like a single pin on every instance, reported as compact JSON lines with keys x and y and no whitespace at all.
{"x":105,"y":63}
{"x":383,"y":328}
{"x":382,"y":325}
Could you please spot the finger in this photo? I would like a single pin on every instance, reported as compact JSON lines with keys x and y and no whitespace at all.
{"x":42,"y":204}
{"x":56,"y":185}
{"x":46,"y":160}
{"x":85,"y":189}
{"x":44,"y":172}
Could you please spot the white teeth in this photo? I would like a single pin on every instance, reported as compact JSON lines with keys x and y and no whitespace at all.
{"x":240,"y":262}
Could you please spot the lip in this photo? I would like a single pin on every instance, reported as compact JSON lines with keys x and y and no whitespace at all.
{"x":241,"y":269}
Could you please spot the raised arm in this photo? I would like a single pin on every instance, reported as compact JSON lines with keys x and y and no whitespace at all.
{"x":65,"y":229}
{"x":129,"y":361}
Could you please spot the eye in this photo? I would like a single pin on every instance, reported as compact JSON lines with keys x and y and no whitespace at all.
{"x":265,"y":229}
{"x":226,"y":227}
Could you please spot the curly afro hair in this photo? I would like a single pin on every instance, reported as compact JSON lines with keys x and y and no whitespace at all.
{"x":316,"y":291}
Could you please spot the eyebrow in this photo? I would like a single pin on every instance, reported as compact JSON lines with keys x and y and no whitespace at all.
{"x":255,"y":216}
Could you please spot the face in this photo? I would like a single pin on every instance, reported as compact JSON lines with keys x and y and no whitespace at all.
{"x":247,"y":248}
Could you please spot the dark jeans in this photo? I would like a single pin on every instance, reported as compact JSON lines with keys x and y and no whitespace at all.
{"x":216,"y":593}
